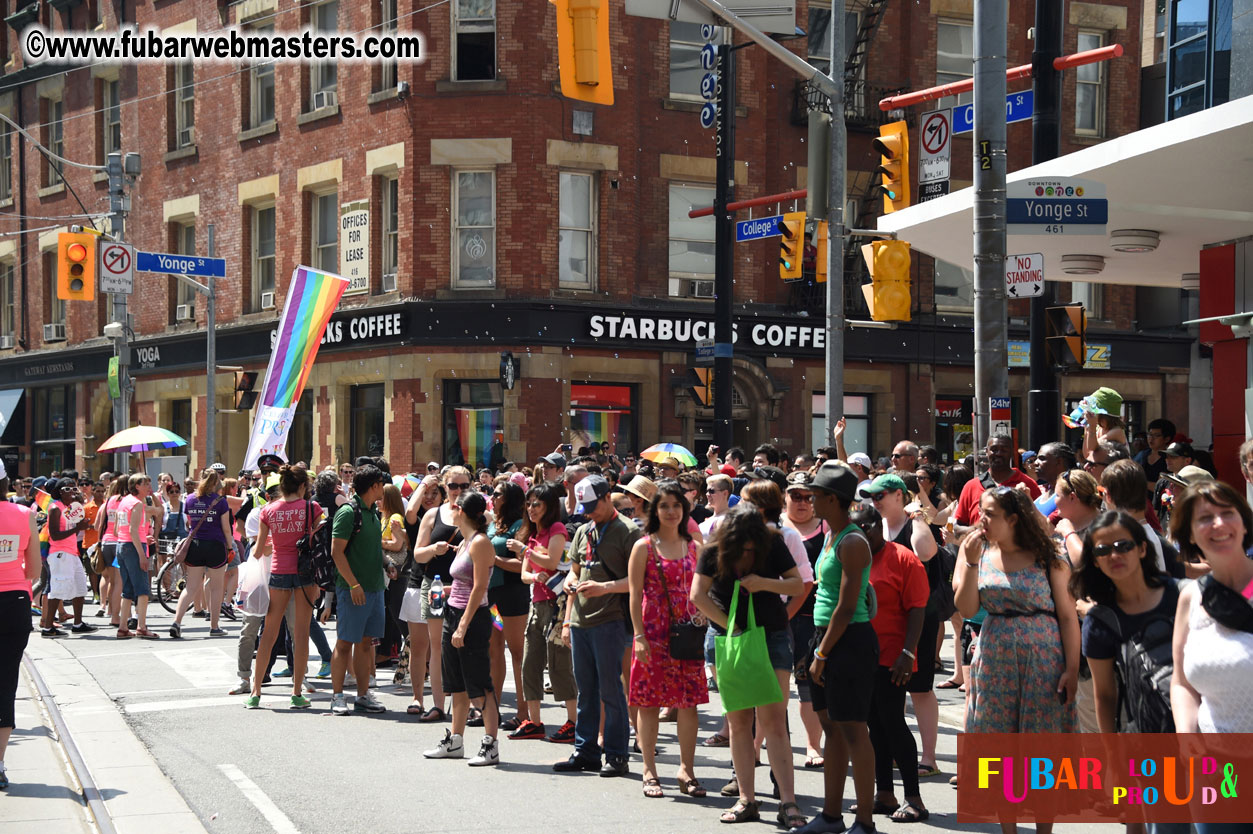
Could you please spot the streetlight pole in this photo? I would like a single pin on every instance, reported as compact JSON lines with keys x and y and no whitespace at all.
{"x":121,"y":405}
{"x":211,"y":345}
{"x":837,"y":163}
{"x":724,"y":243}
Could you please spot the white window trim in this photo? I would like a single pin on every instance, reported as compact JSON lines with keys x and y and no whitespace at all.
{"x":185,"y":294}
{"x":56,"y":138}
{"x":1094,"y":300}
{"x":8,"y":296}
{"x":254,"y":257}
{"x":389,"y":23}
{"x":476,"y":25}
{"x":687,"y":276}
{"x":108,"y":104}
{"x":6,"y":162}
{"x":456,"y":228}
{"x":963,"y":98}
{"x":316,"y":68}
{"x":255,"y":71}
{"x":316,"y":244}
{"x":56,"y":306}
{"x":184,"y":105}
{"x":719,"y":38}
{"x":390,"y":227}
{"x":592,"y":231}
{"x":1101,"y":84}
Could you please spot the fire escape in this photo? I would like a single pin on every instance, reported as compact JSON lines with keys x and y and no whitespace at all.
{"x":861,"y":113}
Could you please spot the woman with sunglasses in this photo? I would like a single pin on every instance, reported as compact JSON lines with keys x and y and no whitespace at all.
{"x":508,"y":593}
{"x":812,"y":530}
{"x":434,"y":551}
{"x":1213,"y":645}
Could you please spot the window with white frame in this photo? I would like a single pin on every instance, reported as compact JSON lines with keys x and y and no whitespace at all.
{"x":54,"y":140}
{"x":391,"y":225}
{"x":263,"y":255}
{"x":691,"y":239}
{"x":326,"y":231}
{"x":576,"y":246}
{"x":184,"y":106}
{"x":324,"y":75}
{"x":1090,"y":89}
{"x":185,"y":244}
{"x":56,"y":306}
{"x":388,"y":25}
{"x":474,"y":42}
{"x":1089,"y":295}
{"x":474,"y":232}
{"x":954,"y":57}
{"x":856,"y":414}
{"x":6,"y":162}
{"x":685,"y":69}
{"x":261,"y":88}
{"x":8,"y":301}
{"x":954,"y":287}
{"x":111,"y":117}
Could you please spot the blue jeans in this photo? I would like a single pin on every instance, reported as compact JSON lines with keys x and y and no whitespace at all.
{"x":135,"y":582}
{"x":597,"y":654}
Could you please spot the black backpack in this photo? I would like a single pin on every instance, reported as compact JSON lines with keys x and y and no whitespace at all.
{"x":315,"y":560}
{"x":1144,"y":665}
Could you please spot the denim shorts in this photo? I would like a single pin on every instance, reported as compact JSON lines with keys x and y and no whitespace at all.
{"x":135,"y":583}
{"x":779,"y":644}
{"x":356,"y":622}
{"x":286,"y":581}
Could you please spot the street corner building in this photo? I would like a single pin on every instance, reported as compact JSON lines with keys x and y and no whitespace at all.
{"x":523,"y":268}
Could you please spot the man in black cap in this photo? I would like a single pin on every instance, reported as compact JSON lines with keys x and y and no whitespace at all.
{"x":769,"y":473}
{"x":554,"y":466}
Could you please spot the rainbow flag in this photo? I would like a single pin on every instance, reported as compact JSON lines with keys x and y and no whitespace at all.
{"x":496,"y":619}
{"x":43,"y":500}
{"x":597,"y":425}
{"x":477,"y":432}
{"x":312,"y":297}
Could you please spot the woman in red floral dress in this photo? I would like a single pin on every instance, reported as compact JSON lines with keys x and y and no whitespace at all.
{"x":661,"y":568}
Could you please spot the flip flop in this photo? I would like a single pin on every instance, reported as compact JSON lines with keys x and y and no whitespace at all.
{"x":432,"y":715}
{"x":814,"y":762}
{"x":879,"y":807}
{"x":909,"y":812}
{"x":415,"y":708}
{"x":950,"y":684}
{"x":925,"y":771}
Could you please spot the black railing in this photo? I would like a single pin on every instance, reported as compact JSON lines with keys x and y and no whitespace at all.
{"x":861,"y":102}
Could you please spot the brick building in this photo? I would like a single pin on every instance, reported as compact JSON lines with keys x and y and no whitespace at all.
{"x":561,"y":237}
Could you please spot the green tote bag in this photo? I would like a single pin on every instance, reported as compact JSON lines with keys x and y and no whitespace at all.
{"x":745,"y":677}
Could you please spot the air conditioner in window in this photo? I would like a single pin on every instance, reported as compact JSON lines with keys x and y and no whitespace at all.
{"x":54,"y":332}
{"x":267,"y":301}
{"x":325,"y":98}
{"x":6,"y":341}
{"x":187,"y":137}
{"x":702,"y":289}
{"x":389,"y":283}
{"x":184,"y":312}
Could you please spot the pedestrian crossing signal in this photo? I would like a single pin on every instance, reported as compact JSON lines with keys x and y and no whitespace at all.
{"x":1065,"y":332}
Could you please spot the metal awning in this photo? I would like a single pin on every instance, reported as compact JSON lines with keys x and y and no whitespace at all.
{"x":9,"y":398}
{"x":1190,"y":179}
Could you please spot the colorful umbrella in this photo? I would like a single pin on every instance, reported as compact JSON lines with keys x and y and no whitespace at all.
{"x":661,"y":451}
{"x":141,"y":439}
{"x":406,"y":484}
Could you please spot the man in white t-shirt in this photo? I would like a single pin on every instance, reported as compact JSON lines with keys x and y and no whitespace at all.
{"x":718,"y":490}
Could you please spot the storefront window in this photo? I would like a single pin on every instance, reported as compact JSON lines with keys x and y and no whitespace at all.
{"x":603,"y":414}
{"x":954,"y":428}
{"x":53,"y":433}
{"x":367,"y":421}
{"x":474,"y":425}
{"x":856,"y":422}
{"x":180,"y":422}
{"x":300,"y":440}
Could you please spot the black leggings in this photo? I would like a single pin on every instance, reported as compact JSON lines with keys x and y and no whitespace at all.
{"x":14,"y":632}
{"x":890,"y":735}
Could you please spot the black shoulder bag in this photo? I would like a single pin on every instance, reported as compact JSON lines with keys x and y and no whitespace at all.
{"x":687,"y":640}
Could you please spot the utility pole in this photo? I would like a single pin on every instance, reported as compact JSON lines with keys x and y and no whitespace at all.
{"x":724,"y":243}
{"x":991,"y":307}
{"x":837,"y":164}
{"x":1043,"y":401}
{"x":211,"y":345}
{"x":118,"y":206}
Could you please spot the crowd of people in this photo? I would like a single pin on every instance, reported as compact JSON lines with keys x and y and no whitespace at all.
{"x":627,"y":590}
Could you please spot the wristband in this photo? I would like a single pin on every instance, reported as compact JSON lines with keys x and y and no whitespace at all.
{"x":819,"y":655}
{"x":354,"y":587}
{"x":641,"y":637}
{"x":909,"y":654}
{"x":971,"y":564}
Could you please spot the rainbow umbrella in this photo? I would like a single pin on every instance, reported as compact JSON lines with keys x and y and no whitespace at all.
{"x":665,"y":450}
{"x":141,"y":439}
{"x":406,"y":484}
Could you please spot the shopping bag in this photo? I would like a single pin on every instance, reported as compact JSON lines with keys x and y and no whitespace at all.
{"x":253,"y":596}
{"x":746,"y":679}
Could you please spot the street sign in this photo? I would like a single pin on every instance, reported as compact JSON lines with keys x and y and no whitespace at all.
{"x":757,"y":229}
{"x":117,"y":268}
{"x":932,"y":190}
{"x":1056,"y":206}
{"x":935,"y":147}
{"x":1024,"y":275}
{"x":704,"y":352}
{"x":180,"y":264}
{"x":1018,"y":108}
{"x":999,"y":415}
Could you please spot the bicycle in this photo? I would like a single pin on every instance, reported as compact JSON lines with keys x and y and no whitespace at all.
{"x":171,"y":578}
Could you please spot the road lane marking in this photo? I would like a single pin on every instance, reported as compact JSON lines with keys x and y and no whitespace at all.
{"x":207,"y":665}
{"x":193,"y":703}
{"x":276,"y":818}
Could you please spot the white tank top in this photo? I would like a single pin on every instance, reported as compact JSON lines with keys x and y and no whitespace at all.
{"x":1218,"y":662}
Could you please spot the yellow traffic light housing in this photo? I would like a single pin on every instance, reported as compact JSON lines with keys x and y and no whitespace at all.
{"x":1065,"y":330}
{"x":821,"y":242}
{"x":76,"y":266}
{"x":889,"y":298}
{"x":245,"y":397}
{"x":583,"y":58}
{"x":791,"y":245}
{"x":893,"y":170}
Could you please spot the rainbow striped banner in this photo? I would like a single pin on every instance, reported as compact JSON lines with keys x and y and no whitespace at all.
{"x":43,"y":500}
{"x":312,"y":297}
{"x":476,"y":431}
{"x":597,"y":426}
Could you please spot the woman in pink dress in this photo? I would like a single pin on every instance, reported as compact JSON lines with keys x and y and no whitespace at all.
{"x":660,"y":572}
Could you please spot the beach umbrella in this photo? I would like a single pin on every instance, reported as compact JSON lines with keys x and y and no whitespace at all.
{"x":662,"y":451}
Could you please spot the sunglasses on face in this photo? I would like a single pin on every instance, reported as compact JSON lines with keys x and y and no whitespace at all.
{"x":1100,"y":551}
{"x":629,"y":512}
{"x":531,"y":504}
{"x":458,"y":484}
{"x":803,"y":497}
{"x":896,"y":455}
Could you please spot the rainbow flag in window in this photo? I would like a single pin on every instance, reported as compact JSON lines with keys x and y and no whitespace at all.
{"x":478,"y":429}
{"x":597,"y":425}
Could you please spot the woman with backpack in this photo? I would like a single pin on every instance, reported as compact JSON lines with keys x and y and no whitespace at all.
{"x":1129,"y":625}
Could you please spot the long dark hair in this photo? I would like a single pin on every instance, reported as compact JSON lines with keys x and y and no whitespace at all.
{"x":512,"y":506}
{"x":474,"y":505}
{"x":550,"y":495}
{"x":954,"y":479}
{"x":1088,"y":581}
{"x":1029,"y":534}
{"x":673,"y":488}
{"x":739,"y":527}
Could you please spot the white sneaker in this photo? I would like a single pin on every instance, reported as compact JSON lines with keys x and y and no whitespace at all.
{"x":309,"y":687}
{"x":451,"y":747}
{"x":489,"y":753}
{"x":368,"y":703}
{"x":374,"y":682}
{"x":339,"y":704}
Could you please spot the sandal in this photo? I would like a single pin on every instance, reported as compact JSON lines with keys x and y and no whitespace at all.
{"x":744,"y":810}
{"x":691,"y":787}
{"x":731,"y":788}
{"x":432,"y":715}
{"x":716,"y":740}
{"x":652,"y":788}
{"x":880,"y":807}
{"x":124,"y":634}
{"x":949,"y":684}
{"x":147,"y":634}
{"x":794,"y":819}
{"x":415,"y":708}
{"x":814,"y":762}
{"x":909,"y":812}
{"x":927,"y":770}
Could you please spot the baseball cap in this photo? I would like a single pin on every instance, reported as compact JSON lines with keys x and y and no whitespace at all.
{"x":861,"y":459}
{"x":799,"y":481}
{"x":769,"y":473}
{"x":555,"y":459}
{"x":1188,"y":476}
{"x":590,"y":490}
{"x":728,"y":470}
{"x":432,"y":467}
{"x":1179,"y":450}
{"x":837,"y":478}
{"x":883,"y":483}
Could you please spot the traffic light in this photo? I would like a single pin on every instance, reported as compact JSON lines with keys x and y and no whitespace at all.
{"x":245,"y":397}
{"x":893,"y":148}
{"x":889,"y":273}
{"x":701,"y":385}
{"x":791,"y":245}
{"x":76,"y":266}
{"x":583,"y":58}
{"x":1065,"y":330}
{"x":821,"y":241}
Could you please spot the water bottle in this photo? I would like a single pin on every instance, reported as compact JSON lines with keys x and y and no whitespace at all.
{"x":437,"y":597}
{"x":1047,"y":503}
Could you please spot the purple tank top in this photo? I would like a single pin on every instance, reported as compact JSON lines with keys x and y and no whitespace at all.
{"x":462,"y":578}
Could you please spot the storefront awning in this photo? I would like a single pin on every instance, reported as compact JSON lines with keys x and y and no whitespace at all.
{"x":9,"y":398}
{"x":1187,"y":179}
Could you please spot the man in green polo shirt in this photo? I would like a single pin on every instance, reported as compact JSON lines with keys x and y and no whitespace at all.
{"x":357,"y":548}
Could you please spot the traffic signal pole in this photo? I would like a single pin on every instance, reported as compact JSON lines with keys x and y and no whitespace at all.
{"x":724,"y":243}
{"x":1043,"y":401}
{"x":122,"y":405}
{"x":837,"y":164}
{"x":211,"y":348}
